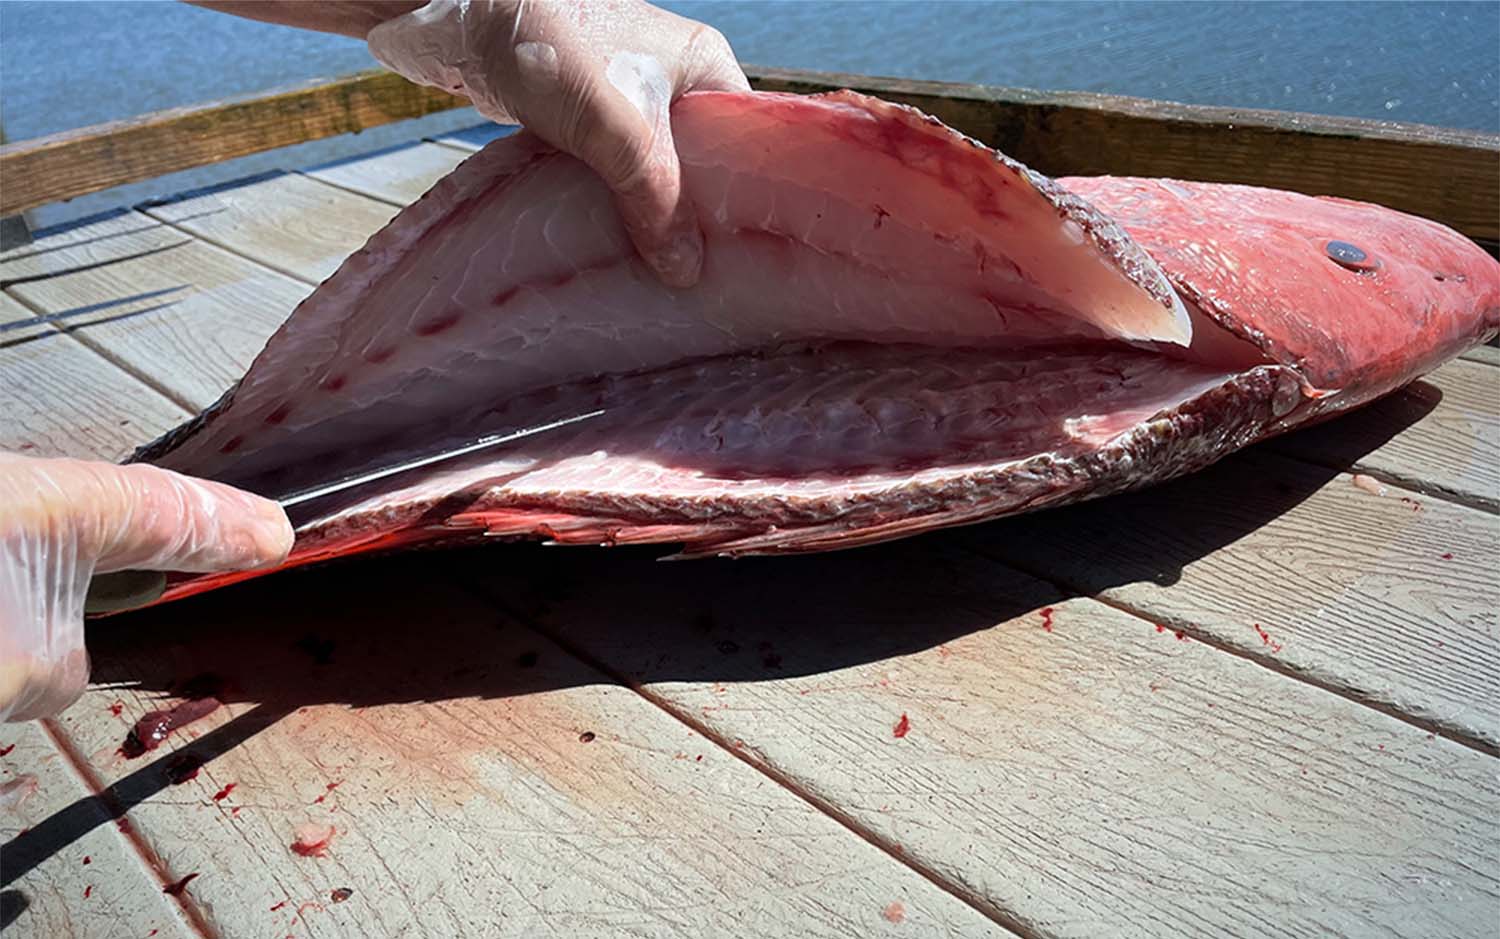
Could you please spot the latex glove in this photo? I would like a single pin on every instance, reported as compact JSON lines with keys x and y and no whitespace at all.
{"x":594,"y":78}
{"x":63,"y":520}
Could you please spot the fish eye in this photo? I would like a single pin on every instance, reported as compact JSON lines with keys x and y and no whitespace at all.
{"x":1350,"y":256}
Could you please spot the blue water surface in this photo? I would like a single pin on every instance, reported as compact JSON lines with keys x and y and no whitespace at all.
{"x":70,"y":64}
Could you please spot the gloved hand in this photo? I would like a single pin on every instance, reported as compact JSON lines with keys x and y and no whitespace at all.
{"x":594,"y":78}
{"x":63,"y":520}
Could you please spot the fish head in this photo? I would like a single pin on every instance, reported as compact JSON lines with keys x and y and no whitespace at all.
{"x":1359,"y":299}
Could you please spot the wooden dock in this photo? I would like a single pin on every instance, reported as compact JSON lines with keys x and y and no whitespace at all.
{"x":1262,"y":701}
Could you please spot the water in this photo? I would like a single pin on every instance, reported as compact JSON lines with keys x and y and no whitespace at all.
{"x":70,"y":64}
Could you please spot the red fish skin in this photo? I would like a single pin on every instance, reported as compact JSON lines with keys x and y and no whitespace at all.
{"x":1256,"y":261}
{"x":1322,"y":338}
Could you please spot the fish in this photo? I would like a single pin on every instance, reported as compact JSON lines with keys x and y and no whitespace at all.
{"x":897,"y":329}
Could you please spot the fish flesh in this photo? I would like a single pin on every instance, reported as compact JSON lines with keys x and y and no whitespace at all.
{"x":897,"y":329}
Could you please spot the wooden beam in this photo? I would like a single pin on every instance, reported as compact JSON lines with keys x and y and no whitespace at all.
{"x":77,"y":162}
{"x":1452,"y":176}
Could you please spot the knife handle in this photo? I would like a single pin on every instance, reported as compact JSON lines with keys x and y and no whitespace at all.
{"x":124,"y":590}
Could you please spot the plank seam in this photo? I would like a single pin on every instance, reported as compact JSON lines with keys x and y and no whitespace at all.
{"x":228,"y":249}
{"x":1191,"y":630}
{"x":991,"y":912}
{"x":350,"y":189}
{"x":144,"y":851}
{"x":1418,"y":486}
{"x":187,"y":406}
{"x":452,"y":145}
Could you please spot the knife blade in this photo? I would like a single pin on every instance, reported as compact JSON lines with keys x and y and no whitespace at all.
{"x":124,"y":590}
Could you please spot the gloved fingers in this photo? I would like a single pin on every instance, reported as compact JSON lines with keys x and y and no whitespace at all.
{"x":35,"y":684}
{"x":154,"y":519}
{"x":614,"y":114}
{"x":627,"y":140}
{"x":61,"y":521}
{"x":620,"y":125}
{"x":143,"y":517}
{"x":709,"y":64}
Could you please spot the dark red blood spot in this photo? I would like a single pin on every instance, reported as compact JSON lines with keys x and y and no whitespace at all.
{"x":340,"y":894}
{"x":1047,"y":618}
{"x":149,"y":732}
{"x":313,"y":840}
{"x":894,"y":913}
{"x":1266,"y":640}
{"x":526,"y":660}
{"x":116,"y":708}
{"x":434,"y":326}
{"x":586,"y":737}
{"x":223,"y":794}
{"x":308,"y":905}
{"x":1160,"y":628}
{"x":1381,"y":747}
{"x":87,"y":859}
{"x":28,"y":446}
{"x":898,"y":849}
{"x":379,"y":356}
{"x":279,"y":415}
{"x":278,"y":906}
{"x":5,"y":751}
{"x":503,"y":297}
{"x":902,"y":728}
{"x":177,"y":888}
{"x":333,"y":382}
{"x":151,"y":933}
{"x":88,"y":891}
{"x":329,"y":788}
{"x":1448,"y":556}
{"x":183,"y":767}
{"x":123,"y":824}
{"x":235,"y":810}
{"x":1180,"y":635}
{"x":698,"y":758}
{"x":233,"y":445}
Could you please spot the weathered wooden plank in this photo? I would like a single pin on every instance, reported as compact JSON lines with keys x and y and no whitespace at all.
{"x":1439,"y":435}
{"x":60,"y":398}
{"x":1073,"y":768}
{"x":1452,"y":176}
{"x":65,"y":870}
{"x":1488,"y":354}
{"x":1390,"y":599}
{"x":486,"y":784}
{"x":183,"y":315}
{"x":397,"y":176}
{"x":289,"y":222}
{"x":76,"y":162}
{"x":1449,"y":175}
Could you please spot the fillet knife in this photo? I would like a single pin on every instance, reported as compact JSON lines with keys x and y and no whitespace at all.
{"x":124,"y":590}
